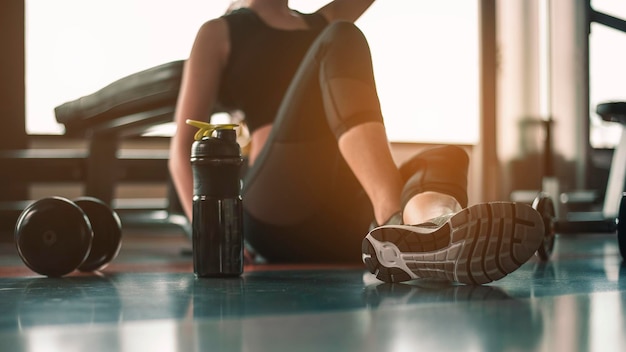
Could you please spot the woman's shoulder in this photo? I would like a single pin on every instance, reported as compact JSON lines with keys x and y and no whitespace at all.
{"x":241,"y":23}
{"x":214,"y":27}
{"x":241,"y":15}
{"x":213,"y":36}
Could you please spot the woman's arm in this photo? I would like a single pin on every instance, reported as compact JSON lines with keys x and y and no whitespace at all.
{"x":198,"y":92}
{"x":345,"y":10}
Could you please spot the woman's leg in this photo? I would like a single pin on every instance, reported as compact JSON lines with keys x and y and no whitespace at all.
{"x":304,"y":196}
{"x":366,"y":150}
{"x":326,"y":171}
{"x":327,"y":153}
{"x":473,"y":245}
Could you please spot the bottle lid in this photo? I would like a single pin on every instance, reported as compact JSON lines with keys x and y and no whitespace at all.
{"x":206,"y":129}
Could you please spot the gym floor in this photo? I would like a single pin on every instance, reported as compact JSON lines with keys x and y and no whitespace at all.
{"x":149,"y":300}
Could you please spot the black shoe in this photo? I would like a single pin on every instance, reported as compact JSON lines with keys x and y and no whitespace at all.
{"x":441,"y":169}
{"x":477,"y":245}
{"x":395,"y":219}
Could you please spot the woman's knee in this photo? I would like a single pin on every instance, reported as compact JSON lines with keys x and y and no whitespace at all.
{"x":344,"y":32}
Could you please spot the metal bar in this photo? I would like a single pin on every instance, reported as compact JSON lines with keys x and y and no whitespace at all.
{"x":488,"y":66}
{"x":617,"y":179}
{"x":608,"y":20}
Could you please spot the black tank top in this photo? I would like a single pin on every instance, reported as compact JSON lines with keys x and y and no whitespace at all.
{"x":262,"y":63}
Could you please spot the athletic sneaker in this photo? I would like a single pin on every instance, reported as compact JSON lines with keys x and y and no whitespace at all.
{"x":477,"y":245}
{"x":395,"y":219}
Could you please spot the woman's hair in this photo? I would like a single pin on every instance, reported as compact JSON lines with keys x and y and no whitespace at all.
{"x":235,"y":4}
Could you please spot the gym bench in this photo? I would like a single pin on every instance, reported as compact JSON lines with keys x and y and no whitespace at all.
{"x":122,"y":110}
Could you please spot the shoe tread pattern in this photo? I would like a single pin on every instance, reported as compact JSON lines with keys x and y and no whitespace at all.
{"x":480,"y":244}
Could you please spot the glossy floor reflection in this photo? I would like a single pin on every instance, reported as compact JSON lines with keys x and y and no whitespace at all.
{"x":148,"y":300}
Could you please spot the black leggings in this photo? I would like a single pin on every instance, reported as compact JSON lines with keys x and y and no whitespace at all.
{"x":302,"y":203}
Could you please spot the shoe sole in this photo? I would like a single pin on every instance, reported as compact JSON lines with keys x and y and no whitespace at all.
{"x":477,"y":245}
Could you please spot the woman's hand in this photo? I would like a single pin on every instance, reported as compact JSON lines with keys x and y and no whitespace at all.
{"x":345,"y":10}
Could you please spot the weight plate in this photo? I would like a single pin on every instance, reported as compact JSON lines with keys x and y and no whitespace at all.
{"x":107,"y":233}
{"x":53,"y":236}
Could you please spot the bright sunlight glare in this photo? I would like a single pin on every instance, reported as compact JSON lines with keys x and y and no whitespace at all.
{"x":425,"y":56}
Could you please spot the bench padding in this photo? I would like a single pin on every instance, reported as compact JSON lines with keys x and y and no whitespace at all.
{"x":613,"y":111}
{"x":142,"y":91}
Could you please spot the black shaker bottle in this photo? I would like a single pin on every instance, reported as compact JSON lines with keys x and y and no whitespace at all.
{"x":217,"y":222}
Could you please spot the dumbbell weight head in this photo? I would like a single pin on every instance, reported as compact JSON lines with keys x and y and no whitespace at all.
{"x":53,"y":236}
{"x":107,"y":233}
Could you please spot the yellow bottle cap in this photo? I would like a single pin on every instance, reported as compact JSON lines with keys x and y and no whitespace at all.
{"x":206,"y":129}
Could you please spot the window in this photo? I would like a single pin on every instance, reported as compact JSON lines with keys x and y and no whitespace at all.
{"x":607,"y":73}
{"x":425,"y":56}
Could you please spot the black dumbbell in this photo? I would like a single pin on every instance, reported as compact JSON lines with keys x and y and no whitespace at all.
{"x":55,"y":236}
